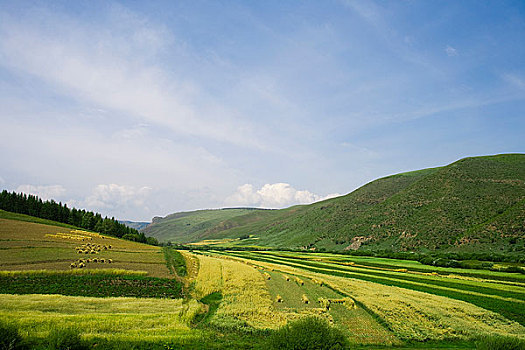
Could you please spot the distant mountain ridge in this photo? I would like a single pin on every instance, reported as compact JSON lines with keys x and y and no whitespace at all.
{"x":137,"y":225}
{"x":474,"y":204}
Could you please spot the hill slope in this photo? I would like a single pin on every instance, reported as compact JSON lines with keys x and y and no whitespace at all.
{"x":192,"y":226}
{"x":473,"y":204}
{"x":29,"y":243}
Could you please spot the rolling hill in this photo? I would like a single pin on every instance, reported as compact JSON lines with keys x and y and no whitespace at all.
{"x":474,"y":204}
{"x":193,"y":226}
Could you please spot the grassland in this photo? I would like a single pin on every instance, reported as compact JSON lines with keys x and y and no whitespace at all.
{"x":472,"y":205}
{"x":149,"y":298}
{"x":191,"y":226}
{"x":109,"y":318}
{"x":91,"y":285}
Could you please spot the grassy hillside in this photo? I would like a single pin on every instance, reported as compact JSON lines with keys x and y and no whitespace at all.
{"x":474,"y":204}
{"x":42,"y":245}
{"x":192,"y":226}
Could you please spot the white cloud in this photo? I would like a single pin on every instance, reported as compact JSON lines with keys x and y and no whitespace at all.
{"x":278,"y":195}
{"x":112,"y":196}
{"x":44,"y":192}
{"x":451,"y":51}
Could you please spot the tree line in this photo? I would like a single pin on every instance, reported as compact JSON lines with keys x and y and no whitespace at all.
{"x":32,"y":205}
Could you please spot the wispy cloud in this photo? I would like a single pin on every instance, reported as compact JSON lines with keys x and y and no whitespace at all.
{"x":451,"y":52}
{"x":118,"y":72}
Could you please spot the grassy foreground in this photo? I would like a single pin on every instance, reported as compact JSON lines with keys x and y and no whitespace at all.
{"x":149,"y":298}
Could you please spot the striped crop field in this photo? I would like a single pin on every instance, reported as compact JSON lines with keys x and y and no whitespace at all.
{"x":413,"y":306}
{"x":507,"y":299}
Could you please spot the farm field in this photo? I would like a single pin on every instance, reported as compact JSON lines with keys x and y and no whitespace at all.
{"x":36,"y":246}
{"x":151,"y":297}
{"x":505,"y":298}
{"x":421,"y":310}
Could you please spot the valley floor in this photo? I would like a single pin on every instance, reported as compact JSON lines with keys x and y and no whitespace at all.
{"x":147,"y":298}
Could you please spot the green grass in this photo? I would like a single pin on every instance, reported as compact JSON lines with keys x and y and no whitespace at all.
{"x":107,"y":272}
{"x":93,"y":285}
{"x":357,"y":324}
{"x":308,"y":333}
{"x":175,"y":262}
{"x":495,"y":300}
{"x":26,"y":218}
{"x":191,"y":226}
{"x":114,"y":319}
{"x":500,"y":343}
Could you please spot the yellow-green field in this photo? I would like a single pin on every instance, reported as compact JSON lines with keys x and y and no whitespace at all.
{"x":32,"y":246}
{"x":236,"y":299}
{"x":111,"y":318}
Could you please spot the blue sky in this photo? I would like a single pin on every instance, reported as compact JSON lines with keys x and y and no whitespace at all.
{"x":143,"y":108}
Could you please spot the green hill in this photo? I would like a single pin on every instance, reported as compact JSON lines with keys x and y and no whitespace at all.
{"x":474,"y":204}
{"x":192,"y":226}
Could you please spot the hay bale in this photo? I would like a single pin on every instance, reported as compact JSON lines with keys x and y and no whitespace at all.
{"x":318,"y":282}
{"x":102,"y":260}
{"x":349,"y":304}
{"x":299,"y":281}
{"x":286,"y":278}
{"x":110,"y":261}
{"x":81,"y":265}
{"x":73,"y":265}
{"x":324,"y":303}
{"x":279,"y":299}
{"x":267,"y":276}
{"x":305,"y":299}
